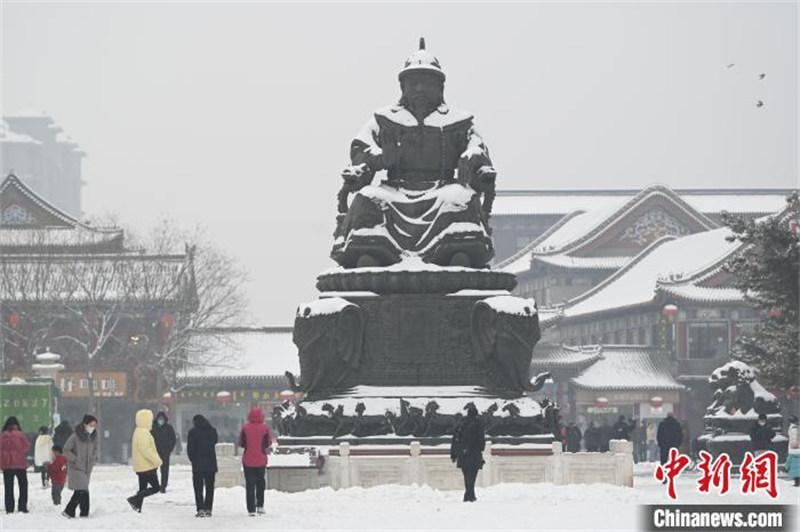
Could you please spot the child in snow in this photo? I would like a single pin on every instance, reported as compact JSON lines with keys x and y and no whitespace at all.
{"x":145,"y":459}
{"x":57,"y":469}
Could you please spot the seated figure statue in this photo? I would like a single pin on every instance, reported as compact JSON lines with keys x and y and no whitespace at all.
{"x":428,"y":203}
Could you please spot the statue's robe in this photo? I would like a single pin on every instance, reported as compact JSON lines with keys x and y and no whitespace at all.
{"x":422,"y":205}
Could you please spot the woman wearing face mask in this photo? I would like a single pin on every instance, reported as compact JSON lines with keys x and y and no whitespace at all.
{"x":164,"y":436}
{"x":81,"y":450}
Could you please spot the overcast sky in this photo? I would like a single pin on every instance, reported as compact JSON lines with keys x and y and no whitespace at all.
{"x":239,"y":116}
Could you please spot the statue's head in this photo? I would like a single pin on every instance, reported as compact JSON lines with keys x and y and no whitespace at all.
{"x":422,"y":82}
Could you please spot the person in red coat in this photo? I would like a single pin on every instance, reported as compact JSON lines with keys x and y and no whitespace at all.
{"x":256,"y":438}
{"x":14,"y":463}
{"x":58,"y":474}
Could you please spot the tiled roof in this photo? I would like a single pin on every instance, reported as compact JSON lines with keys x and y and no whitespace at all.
{"x":92,"y":277}
{"x":549,"y":356}
{"x":707,"y":201}
{"x":583,"y":263}
{"x":588,"y":227}
{"x":625,"y":367}
{"x":636,"y":283}
{"x":703,"y":294}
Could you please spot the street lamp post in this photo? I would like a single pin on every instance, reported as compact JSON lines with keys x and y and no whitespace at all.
{"x":47,"y":365}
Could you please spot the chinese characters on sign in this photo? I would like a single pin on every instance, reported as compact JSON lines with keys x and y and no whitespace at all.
{"x":758,"y":472}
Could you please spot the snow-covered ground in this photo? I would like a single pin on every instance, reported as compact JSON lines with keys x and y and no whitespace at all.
{"x":502,"y":507}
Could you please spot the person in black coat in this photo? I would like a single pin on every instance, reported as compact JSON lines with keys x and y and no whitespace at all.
{"x":573,"y":438}
{"x":466,"y":450}
{"x":761,"y":435}
{"x":621,"y":429}
{"x":201,"y":450}
{"x":606,"y":433}
{"x":62,"y":433}
{"x":668,"y":435}
{"x":592,"y":438}
{"x":164,"y":435}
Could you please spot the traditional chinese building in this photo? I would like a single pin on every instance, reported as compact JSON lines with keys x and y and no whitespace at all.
{"x":549,"y":220}
{"x":604,"y":232}
{"x":72,"y":288}
{"x":597,"y":382}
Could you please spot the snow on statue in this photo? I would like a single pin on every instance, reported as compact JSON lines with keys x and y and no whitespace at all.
{"x":437,"y":166}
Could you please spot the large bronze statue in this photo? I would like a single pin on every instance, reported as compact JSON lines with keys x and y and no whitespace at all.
{"x":428,"y":203}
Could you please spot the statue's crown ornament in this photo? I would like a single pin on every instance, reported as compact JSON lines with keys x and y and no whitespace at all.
{"x":421,"y":60}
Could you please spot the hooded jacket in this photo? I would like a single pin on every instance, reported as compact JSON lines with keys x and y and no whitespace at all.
{"x":82,"y":452}
{"x":13,"y":448}
{"x":201,"y":446}
{"x":164,"y":436}
{"x":255,"y":437}
{"x":143,"y":446}
{"x":42,"y":450}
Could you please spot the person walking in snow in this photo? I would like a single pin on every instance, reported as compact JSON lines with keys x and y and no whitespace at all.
{"x":669,"y":435}
{"x":14,"y":463}
{"x":43,"y":453}
{"x":466,"y":450}
{"x":255,"y":437}
{"x":145,"y":459}
{"x":82,"y":451}
{"x":164,"y":436}
{"x":201,"y":450}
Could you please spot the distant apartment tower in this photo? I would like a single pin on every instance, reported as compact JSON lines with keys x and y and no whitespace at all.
{"x":35,"y":149}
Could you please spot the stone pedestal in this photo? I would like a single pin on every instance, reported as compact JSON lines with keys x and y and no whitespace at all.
{"x":229,"y":466}
{"x":368,"y":465}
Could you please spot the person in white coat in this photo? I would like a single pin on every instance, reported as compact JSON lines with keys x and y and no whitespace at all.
{"x":43,"y":454}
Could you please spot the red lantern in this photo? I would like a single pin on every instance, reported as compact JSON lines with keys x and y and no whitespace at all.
{"x":656,"y":402}
{"x":168,"y":320}
{"x":167,"y":398}
{"x":13,"y":320}
{"x":669,"y":310}
{"x":774,"y":313}
{"x":224,"y":397}
{"x":601,"y":402}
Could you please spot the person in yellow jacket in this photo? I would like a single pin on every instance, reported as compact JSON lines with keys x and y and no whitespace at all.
{"x":145,"y":459}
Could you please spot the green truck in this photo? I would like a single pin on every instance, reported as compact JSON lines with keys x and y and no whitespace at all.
{"x":30,"y":401}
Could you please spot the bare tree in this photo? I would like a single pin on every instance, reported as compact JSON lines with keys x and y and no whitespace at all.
{"x":207,"y":296}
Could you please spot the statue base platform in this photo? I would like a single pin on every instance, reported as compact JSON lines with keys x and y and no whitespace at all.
{"x":425,"y":279}
{"x":400,"y":415}
{"x":387,"y":353}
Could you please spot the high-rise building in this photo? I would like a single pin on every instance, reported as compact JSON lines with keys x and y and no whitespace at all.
{"x":35,"y":149}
